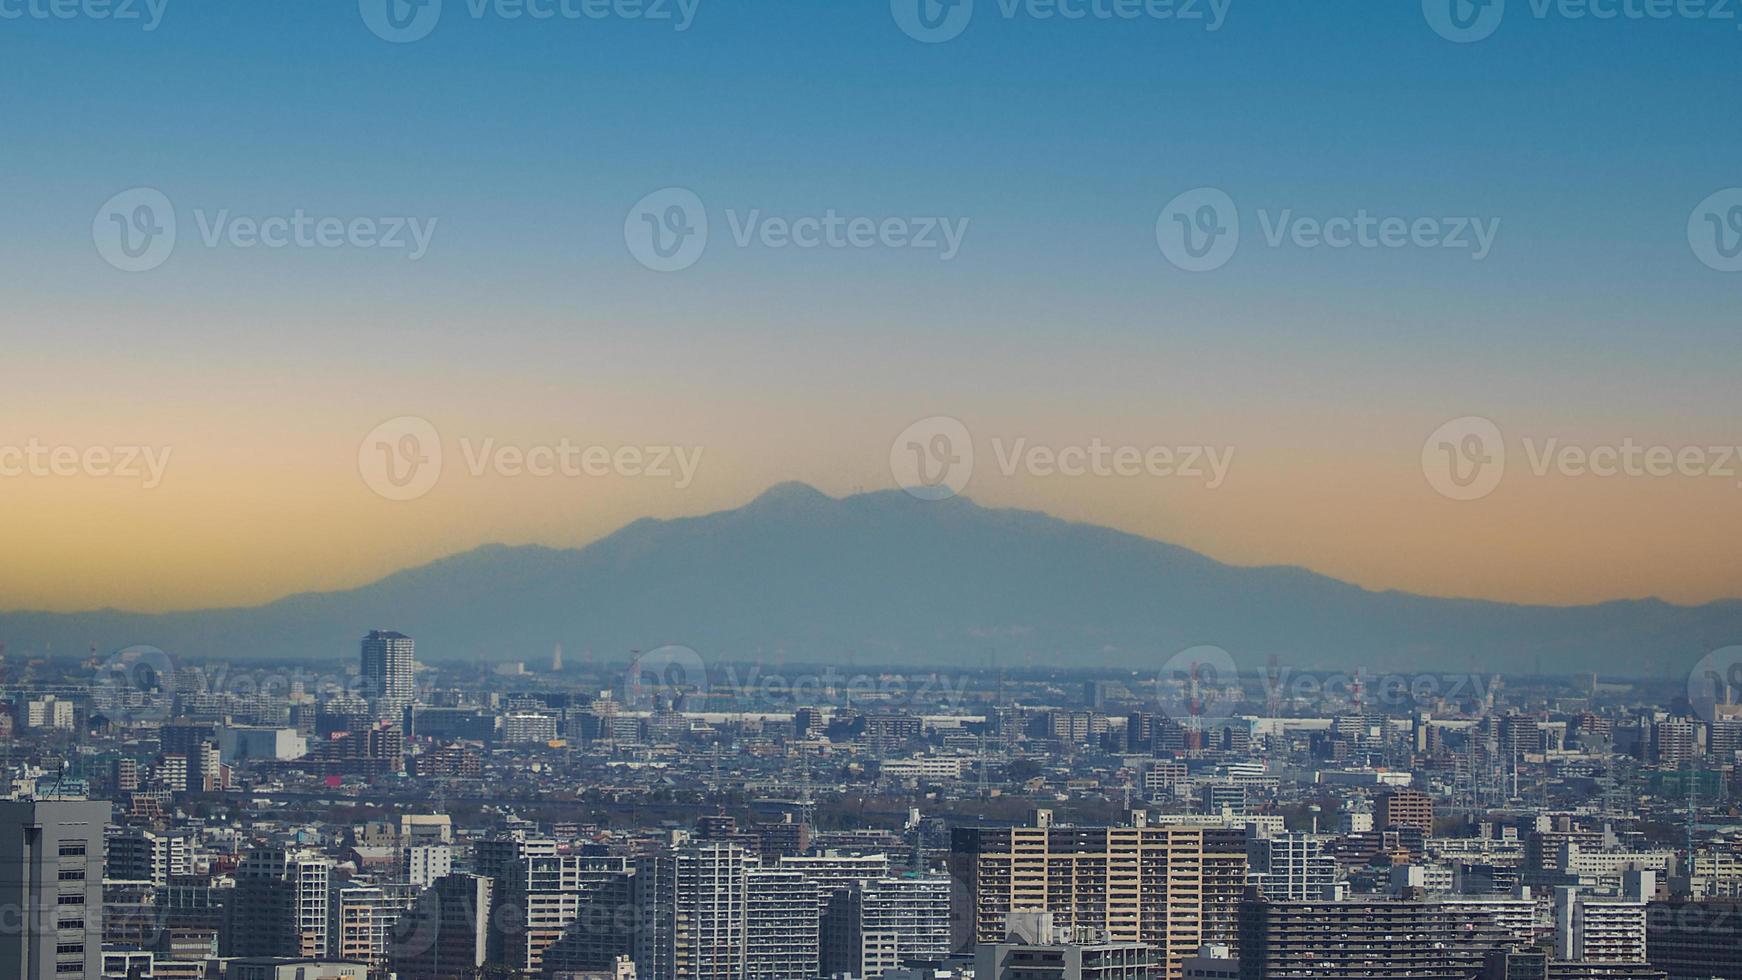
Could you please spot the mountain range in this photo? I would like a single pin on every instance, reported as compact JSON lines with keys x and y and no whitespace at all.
{"x":886,"y":578}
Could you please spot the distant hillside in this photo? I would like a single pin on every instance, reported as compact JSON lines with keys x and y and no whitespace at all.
{"x":888,"y":578}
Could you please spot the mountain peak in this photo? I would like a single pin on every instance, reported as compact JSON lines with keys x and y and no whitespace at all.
{"x":791,"y":495}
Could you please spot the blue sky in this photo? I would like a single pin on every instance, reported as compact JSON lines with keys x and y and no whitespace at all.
{"x":1590,"y":141}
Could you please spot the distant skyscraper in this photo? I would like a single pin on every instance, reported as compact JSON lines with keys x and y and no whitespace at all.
{"x":51,"y":884}
{"x":388,"y":681}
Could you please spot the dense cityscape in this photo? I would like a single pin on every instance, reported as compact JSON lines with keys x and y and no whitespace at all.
{"x":657,"y":817}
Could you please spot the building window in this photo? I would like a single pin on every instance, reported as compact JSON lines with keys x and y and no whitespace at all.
{"x":72,"y":849}
{"x":72,"y":874}
{"x":70,"y":949}
{"x":73,"y":898}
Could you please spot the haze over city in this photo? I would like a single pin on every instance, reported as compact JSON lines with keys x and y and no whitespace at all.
{"x":870,"y":490}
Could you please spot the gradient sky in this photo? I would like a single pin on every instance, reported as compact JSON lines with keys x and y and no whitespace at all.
{"x":1060,"y":321}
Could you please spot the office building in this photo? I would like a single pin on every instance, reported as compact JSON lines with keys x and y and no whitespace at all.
{"x":51,"y":884}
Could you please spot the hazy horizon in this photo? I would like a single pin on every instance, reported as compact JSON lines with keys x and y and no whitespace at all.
{"x":789,"y":484}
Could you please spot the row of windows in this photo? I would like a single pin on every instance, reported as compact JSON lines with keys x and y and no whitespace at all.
{"x":73,"y":849}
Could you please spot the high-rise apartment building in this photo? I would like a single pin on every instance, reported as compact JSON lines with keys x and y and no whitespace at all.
{"x":1173,"y":887}
{"x":1599,"y":930}
{"x":447,"y":932}
{"x":691,"y":903}
{"x":1405,"y":808}
{"x":549,"y":892}
{"x":140,"y":855}
{"x":834,"y":871}
{"x":422,"y":864}
{"x":280,"y":905}
{"x":1288,"y":867}
{"x":389,"y":683}
{"x":875,"y":926}
{"x":1366,"y":938}
{"x":51,"y":887}
{"x":782,"y":930}
{"x":356,"y":929}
